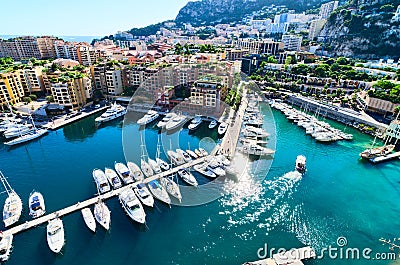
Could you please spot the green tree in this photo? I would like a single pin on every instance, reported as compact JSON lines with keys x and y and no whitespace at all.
{"x":342,"y":61}
{"x":271,"y":59}
{"x":334,"y":67}
{"x":33,"y":97}
{"x":49,"y":99}
{"x":288,"y":60}
{"x":27,"y":99}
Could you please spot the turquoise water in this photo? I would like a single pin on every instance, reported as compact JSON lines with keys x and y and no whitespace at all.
{"x":339,"y":195}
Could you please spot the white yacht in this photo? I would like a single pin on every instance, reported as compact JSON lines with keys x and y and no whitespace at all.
{"x":132,"y":205}
{"x":5,"y":246}
{"x":163,"y":165}
{"x":146,"y":168}
{"x":55,"y":235}
{"x":154,"y":166}
{"x":176,"y":122}
{"x":102,"y":214}
{"x":176,"y":158}
{"x":136,"y":172}
{"x":187,"y":177}
{"x":144,"y":195}
{"x":13,"y":204}
{"x":185,"y":155}
{"x":101,"y":181}
{"x":36,"y":204}
{"x":202,"y":169}
{"x":301,"y":163}
{"x":159,"y":192}
{"x":113,"y":178}
{"x":195,"y":123}
{"x":161,"y":124}
{"x":171,"y":187}
{"x":198,"y":153}
{"x":212,"y":124}
{"x":225,"y":161}
{"x":255,"y":149}
{"x":148,"y":118}
{"x":192,"y":154}
{"x":254,"y":122}
{"x":114,"y":112}
{"x":214,"y":167}
{"x":203,"y":151}
{"x":325,"y":137}
{"x":27,"y":137}
{"x":123,"y":173}
{"x":19,"y":130}
{"x":89,"y":219}
{"x":222,"y":128}
{"x":250,"y":131}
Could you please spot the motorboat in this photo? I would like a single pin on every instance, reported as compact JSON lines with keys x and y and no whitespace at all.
{"x":225,"y":161}
{"x":132,"y":206}
{"x":187,"y":177}
{"x":5,"y":246}
{"x":19,"y":130}
{"x":202,"y":169}
{"x":114,"y":112}
{"x":159,"y":191}
{"x":144,"y":195}
{"x":101,"y":181}
{"x":214,"y":167}
{"x":253,"y":140}
{"x":89,"y":219}
{"x":196,"y":122}
{"x":203,"y":151}
{"x":123,"y":173}
{"x":255,"y":149}
{"x":326,"y":137}
{"x":13,"y":204}
{"x":212,"y":124}
{"x":378,"y":151}
{"x":146,"y":168}
{"x":192,"y":154}
{"x":185,"y":155}
{"x":55,"y":235}
{"x":27,"y":137}
{"x":301,"y":164}
{"x":113,"y":178}
{"x":102,"y":214}
{"x":163,"y":165}
{"x":161,"y":124}
{"x":250,"y":131}
{"x":171,"y":187}
{"x":176,"y":123}
{"x":37,"y":207}
{"x":254,"y":122}
{"x":198,"y":153}
{"x":136,"y":172}
{"x":150,"y":116}
{"x":222,"y":128}
{"x":175,"y":158}
{"x":154,"y":166}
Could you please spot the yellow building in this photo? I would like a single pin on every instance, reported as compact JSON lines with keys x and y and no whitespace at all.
{"x":72,"y":93}
{"x":11,"y":88}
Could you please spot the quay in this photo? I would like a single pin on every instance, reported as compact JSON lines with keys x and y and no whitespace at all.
{"x":61,"y":122}
{"x":385,"y":158}
{"x":83,"y":204}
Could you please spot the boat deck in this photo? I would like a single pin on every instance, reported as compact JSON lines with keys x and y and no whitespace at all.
{"x":379,"y":159}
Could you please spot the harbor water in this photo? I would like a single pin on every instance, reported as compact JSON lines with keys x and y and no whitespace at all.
{"x":339,"y":196}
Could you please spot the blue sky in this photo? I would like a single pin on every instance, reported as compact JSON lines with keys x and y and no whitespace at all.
{"x":82,"y":17}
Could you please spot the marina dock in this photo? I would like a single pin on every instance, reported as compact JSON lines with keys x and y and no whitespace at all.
{"x":291,"y":257}
{"x":61,"y":122}
{"x":83,"y":204}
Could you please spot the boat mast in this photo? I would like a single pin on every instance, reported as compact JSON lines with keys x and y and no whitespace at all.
{"x":5,"y":183}
{"x":143,"y":154}
{"x":158,"y":147}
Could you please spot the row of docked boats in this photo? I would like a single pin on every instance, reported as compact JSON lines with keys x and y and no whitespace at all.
{"x":254,"y":138}
{"x":319,"y":130}
{"x":17,"y":132}
{"x":198,"y":120}
{"x":12,"y":212}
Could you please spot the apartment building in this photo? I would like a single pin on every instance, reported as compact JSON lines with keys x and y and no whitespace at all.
{"x":259,"y":46}
{"x":46,"y":47}
{"x":235,"y":54}
{"x":315,"y":28}
{"x":11,"y":88}
{"x":114,"y":84}
{"x":109,"y":79}
{"x":66,"y":50}
{"x":21,"y":48}
{"x":34,"y":79}
{"x":86,"y":55}
{"x":327,"y":9}
{"x":292,"y":42}
{"x":207,"y":94}
{"x":72,"y":93}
